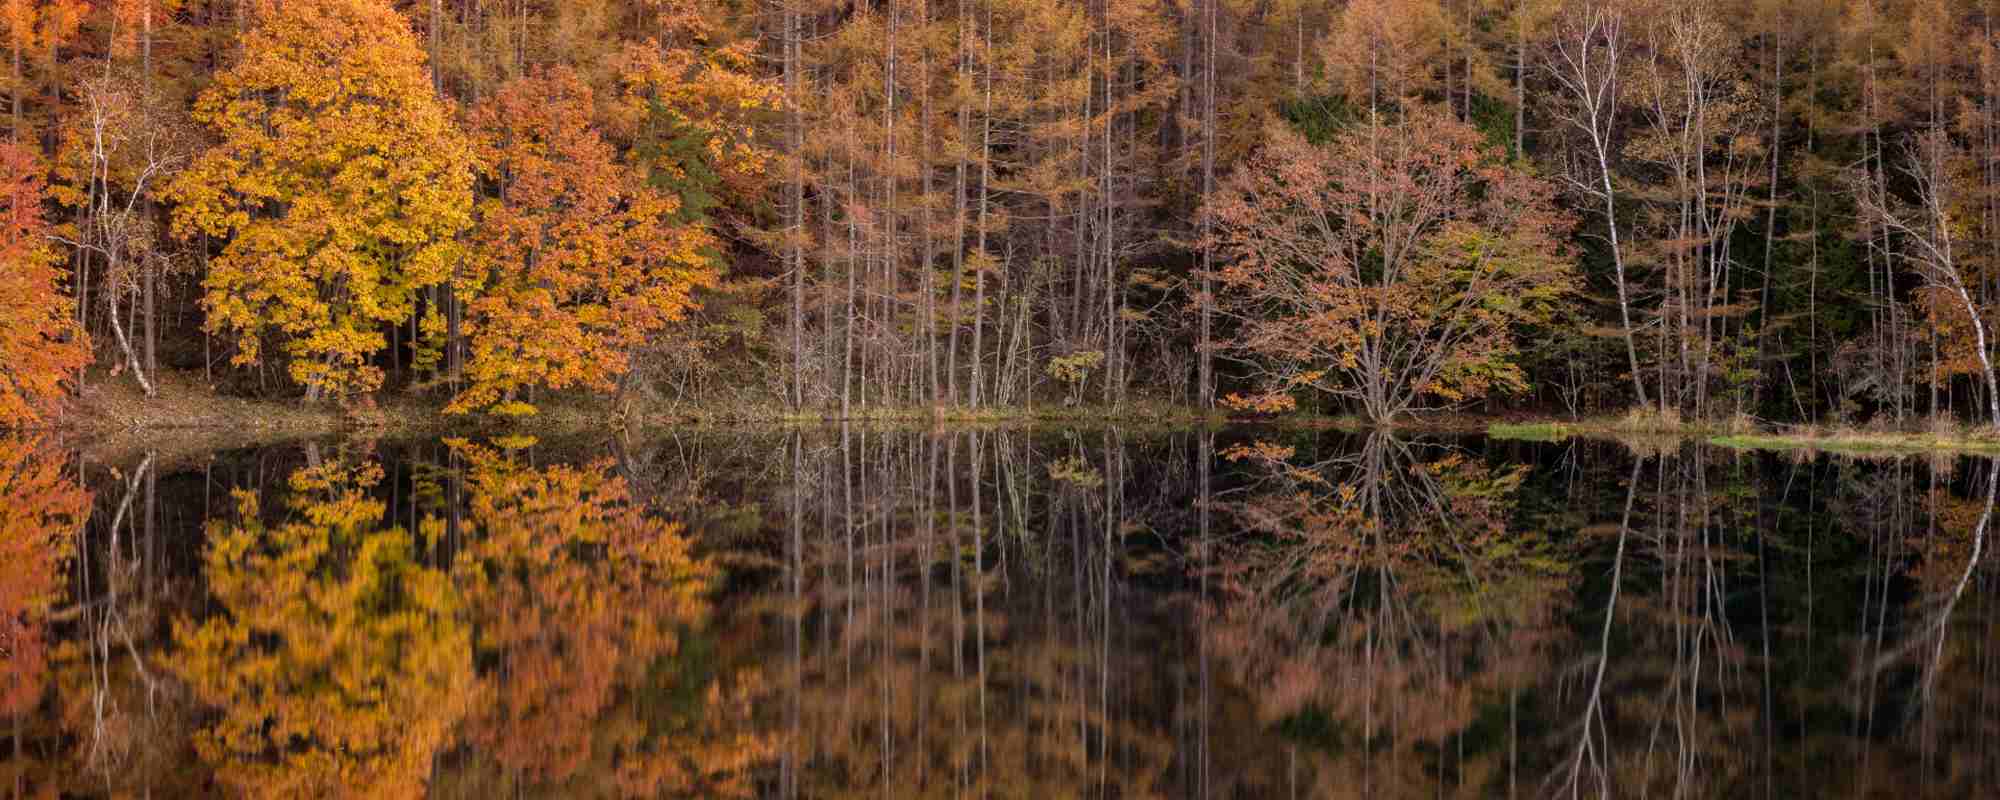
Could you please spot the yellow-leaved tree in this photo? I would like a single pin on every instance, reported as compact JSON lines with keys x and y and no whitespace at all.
{"x":577,"y":258}
{"x":339,"y":183}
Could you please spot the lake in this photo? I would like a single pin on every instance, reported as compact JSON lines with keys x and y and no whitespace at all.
{"x":1244,"y":612}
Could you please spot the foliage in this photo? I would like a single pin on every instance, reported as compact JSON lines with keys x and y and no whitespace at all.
{"x":339,"y":662}
{"x":42,"y":512}
{"x":1394,"y":266}
{"x":577,"y":261}
{"x":590,"y":611}
{"x":1358,"y":575}
{"x":692,"y":105}
{"x":1074,"y":370}
{"x":41,"y":348}
{"x":338,"y":182}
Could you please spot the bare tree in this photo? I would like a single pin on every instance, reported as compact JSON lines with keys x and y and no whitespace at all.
{"x":1926,"y":225}
{"x":130,"y":141}
{"x":1589,"y":42}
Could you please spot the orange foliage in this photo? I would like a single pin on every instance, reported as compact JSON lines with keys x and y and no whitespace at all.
{"x":715,"y":93}
{"x":339,"y":182}
{"x":579,"y":260}
{"x":41,"y":512}
{"x":1394,"y":266}
{"x":40,"y":345}
{"x":588,"y":603}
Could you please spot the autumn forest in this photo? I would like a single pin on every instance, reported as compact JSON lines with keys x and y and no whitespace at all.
{"x":1775,"y":210}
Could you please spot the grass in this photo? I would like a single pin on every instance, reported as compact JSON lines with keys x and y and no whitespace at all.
{"x":1939,"y":439}
{"x":1745,"y":433}
{"x":1636,"y":422}
{"x":1130,"y":412}
{"x":1534,"y":431}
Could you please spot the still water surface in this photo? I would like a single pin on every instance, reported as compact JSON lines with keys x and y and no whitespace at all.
{"x":1242,"y":613}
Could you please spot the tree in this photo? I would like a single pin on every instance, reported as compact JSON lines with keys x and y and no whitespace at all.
{"x":1390,"y":267}
{"x":1931,"y":226}
{"x":1702,"y":152}
{"x":1588,"y":44}
{"x":578,"y":260}
{"x":1381,"y":52}
{"x":40,"y":344}
{"x":115,"y":154}
{"x":339,"y":182}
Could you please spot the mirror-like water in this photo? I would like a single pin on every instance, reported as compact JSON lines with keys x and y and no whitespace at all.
{"x":1245,"y":613}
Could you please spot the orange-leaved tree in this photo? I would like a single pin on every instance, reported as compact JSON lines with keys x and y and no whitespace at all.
{"x":40,"y":345}
{"x":577,"y":258}
{"x":339,"y":182}
{"x":1391,"y":267}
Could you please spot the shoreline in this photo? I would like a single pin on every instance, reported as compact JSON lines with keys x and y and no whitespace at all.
{"x":1945,"y":439}
{"x":188,"y":416}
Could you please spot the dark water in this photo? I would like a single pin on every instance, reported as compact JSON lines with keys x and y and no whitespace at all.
{"x":1000,"y":614}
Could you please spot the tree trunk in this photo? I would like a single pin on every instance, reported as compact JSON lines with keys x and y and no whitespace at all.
{"x":924,"y":224}
{"x":1205,"y":358}
{"x":985,"y":199}
{"x":147,"y":270}
{"x":132,"y":361}
{"x":18,"y":83}
{"x":795,"y":211}
{"x":1520,"y":78}
{"x":958,"y":211}
{"x":1770,"y":211}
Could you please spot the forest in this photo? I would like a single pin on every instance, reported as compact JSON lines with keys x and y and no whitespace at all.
{"x":1705,"y":210}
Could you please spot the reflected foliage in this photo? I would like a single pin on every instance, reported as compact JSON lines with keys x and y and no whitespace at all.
{"x":1061,"y":613}
{"x":1381,"y":601}
{"x":340,"y":661}
{"x":599,"y":676}
{"x":41,"y":511}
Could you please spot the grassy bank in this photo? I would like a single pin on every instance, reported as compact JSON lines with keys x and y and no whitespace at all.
{"x":1867,"y":442}
{"x":1746,"y":434}
{"x":1638,"y":422}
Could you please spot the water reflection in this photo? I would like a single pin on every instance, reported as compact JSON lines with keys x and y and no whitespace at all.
{"x":994,"y":613}
{"x":41,"y":510}
{"x":1381,"y":604}
{"x":336,"y":660}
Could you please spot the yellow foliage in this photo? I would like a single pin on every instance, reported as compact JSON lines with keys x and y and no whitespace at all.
{"x":338,"y":181}
{"x":340,"y":663}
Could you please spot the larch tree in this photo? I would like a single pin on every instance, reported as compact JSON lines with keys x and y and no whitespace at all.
{"x":1381,"y":52}
{"x":41,"y":347}
{"x":1702,"y":146}
{"x":577,"y":259}
{"x":1392,"y":267}
{"x":338,"y":181}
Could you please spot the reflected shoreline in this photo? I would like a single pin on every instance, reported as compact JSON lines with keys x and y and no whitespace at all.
{"x":1242,"y":612}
